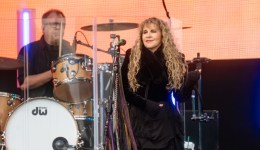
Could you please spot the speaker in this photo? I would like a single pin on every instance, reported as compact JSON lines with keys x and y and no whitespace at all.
{"x":203,"y":131}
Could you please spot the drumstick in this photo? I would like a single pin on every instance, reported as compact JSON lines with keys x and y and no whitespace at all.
{"x":60,"y":45}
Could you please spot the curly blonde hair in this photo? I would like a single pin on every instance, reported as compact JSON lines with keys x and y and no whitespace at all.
{"x":175,"y":63}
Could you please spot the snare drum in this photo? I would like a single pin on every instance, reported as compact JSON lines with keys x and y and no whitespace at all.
{"x":72,"y":77}
{"x":37,"y":123}
{"x":8,"y":102}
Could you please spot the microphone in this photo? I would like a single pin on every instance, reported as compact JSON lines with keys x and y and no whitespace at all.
{"x":122,"y":42}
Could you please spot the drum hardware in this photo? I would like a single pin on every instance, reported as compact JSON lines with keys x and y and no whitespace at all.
{"x":80,"y":117}
{"x":105,"y":67}
{"x":84,"y":107}
{"x":2,"y":135}
{"x":80,"y":110}
{"x":11,"y":102}
{"x":67,"y":71}
{"x":2,"y":145}
{"x":61,"y":143}
{"x":81,"y":142}
{"x":86,"y":129}
{"x":87,"y":64}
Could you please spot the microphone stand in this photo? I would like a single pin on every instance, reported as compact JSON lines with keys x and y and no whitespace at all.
{"x":112,"y":103}
{"x":116,"y":66}
{"x":87,"y":45}
{"x":201,"y":116}
{"x":106,"y":105}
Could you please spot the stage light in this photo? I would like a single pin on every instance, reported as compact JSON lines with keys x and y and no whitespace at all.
{"x":26,"y":30}
{"x":26,"y":27}
{"x":173,"y":99}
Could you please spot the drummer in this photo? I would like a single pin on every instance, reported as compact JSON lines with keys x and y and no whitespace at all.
{"x":41,"y":53}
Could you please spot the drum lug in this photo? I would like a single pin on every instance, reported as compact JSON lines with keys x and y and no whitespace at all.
{"x":84,"y":107}
{"x":53,"y":69}
{"x":80,"y":141}
{"x":70,"y":109}
{"x":10,"y":102}
{"x":55,"y":82}
{"x":73,"y":73}
{"x":71,"y":61}
{"x":86,"y":64}
{"x":82,"y":64}
{"x":3,"y":136}
{"x":66,"y":68}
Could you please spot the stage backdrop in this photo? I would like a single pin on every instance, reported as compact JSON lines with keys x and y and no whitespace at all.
{"x":218,"y":29}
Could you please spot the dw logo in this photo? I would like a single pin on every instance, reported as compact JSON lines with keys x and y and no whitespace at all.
{"x":39,"y":110}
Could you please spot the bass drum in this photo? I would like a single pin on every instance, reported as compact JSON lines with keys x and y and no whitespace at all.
{"x":40,"y":124}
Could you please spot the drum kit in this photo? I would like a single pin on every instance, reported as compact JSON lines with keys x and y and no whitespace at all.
{"x":64,"y":120}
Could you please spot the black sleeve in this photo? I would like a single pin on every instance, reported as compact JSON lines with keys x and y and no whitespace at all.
{"x":191,"y":79}
{"x":24,"y":53}
{"x":132,"y":97}
{"x":21,"y":70}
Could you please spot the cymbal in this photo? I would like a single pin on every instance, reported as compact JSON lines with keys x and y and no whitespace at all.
{"x":111,"y":26}
{"x":10,"y":64}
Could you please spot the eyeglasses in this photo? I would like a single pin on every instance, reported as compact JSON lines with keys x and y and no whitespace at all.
{"x":55,"y":24}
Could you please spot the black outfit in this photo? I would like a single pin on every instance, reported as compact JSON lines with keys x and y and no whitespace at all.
{"x":154,"y":127}
{"x":40,"y":57}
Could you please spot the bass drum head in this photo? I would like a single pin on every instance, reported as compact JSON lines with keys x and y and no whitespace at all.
{"x":36,"y":123}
